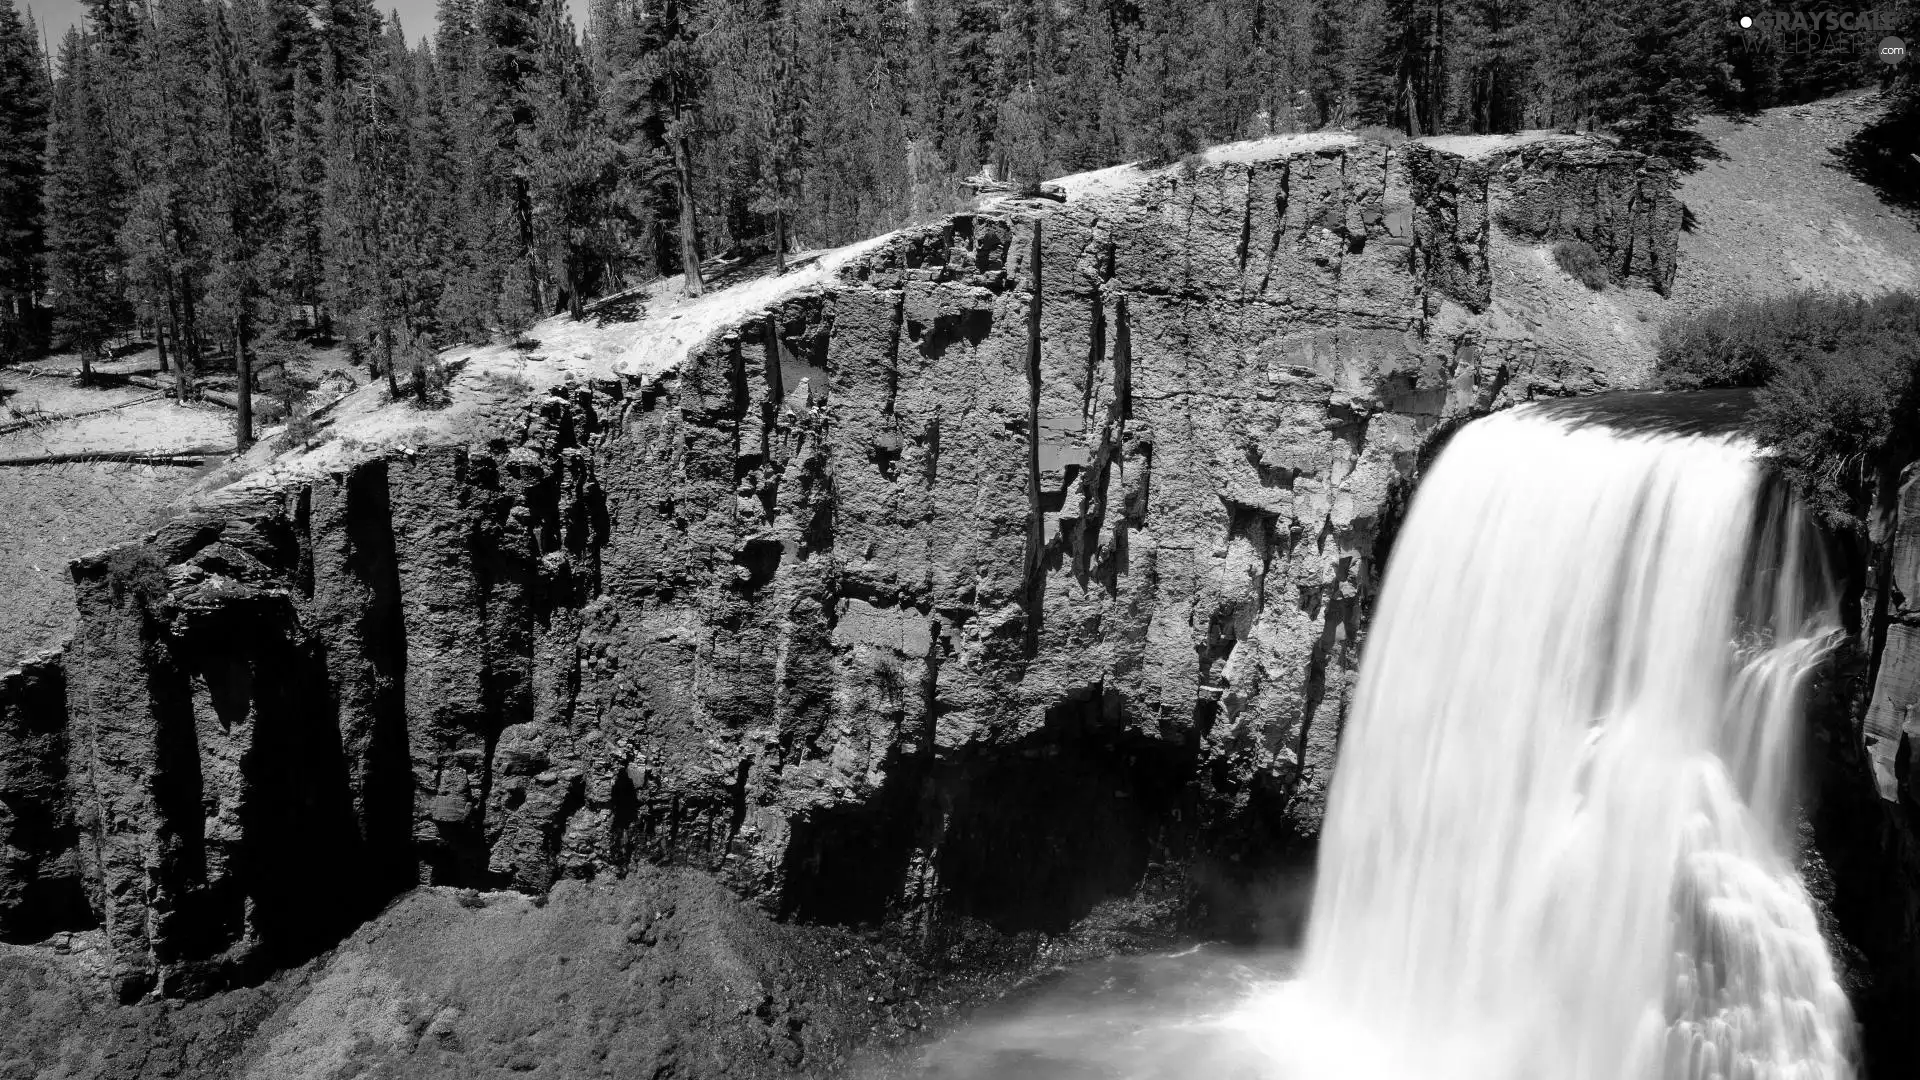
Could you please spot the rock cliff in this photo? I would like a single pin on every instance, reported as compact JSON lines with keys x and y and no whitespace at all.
{"x":1866,"y":819}
{"x":999,"y":568}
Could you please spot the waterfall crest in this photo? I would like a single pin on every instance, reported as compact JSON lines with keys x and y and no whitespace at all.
{"x":1559,"y":837}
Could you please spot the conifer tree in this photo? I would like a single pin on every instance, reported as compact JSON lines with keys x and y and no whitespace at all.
{"x":569,"y":161}
{"x":1161,"y":91}
{"x":652,"y":107}
{"x":752,"y":49}
{"x":1491,"y":66}
{"x":24,"y":103}
{"x":244,"y":183}
{"x":1657,"y":69}
{"x":84,"y":204}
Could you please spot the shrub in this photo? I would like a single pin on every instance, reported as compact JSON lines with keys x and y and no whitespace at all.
{"x":1582,"y":263}
{"x":507,"y":382}
{"x":299,"y":431}
{"x":1385,"y":136}
{"x":1837,"y":381}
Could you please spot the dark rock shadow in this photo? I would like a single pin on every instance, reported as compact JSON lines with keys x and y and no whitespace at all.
{"x":1655,"y":412}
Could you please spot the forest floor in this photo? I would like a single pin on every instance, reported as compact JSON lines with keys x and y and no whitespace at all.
{"x":58,"y":511}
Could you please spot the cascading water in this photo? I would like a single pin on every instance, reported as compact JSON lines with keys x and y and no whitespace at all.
{"x":1558,"y":844}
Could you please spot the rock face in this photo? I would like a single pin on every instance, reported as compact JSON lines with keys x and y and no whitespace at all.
{"x":1597,"y":195}
{"x":1867,"y":820}
{"x":40,"y":885}
{"x":1022,"y":565}
{"x":1892,"y":726}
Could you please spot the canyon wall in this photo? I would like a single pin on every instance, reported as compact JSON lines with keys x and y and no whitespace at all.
{"x":1021,"y":566}
{"x":1866,"y":816}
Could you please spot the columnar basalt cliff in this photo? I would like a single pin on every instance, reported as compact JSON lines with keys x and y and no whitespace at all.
{"x":1866,"y":819}
{"x":1018,"y":564}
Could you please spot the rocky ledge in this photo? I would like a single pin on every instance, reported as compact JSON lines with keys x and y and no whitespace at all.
{"x":1001,"y":569}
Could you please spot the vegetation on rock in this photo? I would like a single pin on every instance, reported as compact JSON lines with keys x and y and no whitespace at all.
{"x":1838,"y":383}
{"x":1581,"y":263}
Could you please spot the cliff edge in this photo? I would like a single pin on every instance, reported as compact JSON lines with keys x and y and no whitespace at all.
{"x":960,"y":582}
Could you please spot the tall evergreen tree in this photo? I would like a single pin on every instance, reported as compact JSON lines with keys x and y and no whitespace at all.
{"x":1161,"y":84}
{"x":653,"y":105}
{"x":1491,"y":66}
{"x":243,"y":181}
{"x":24,"y":103}
{"x":84,"y":203}
{"x":569,"y":163}
{"x":1663,"y":59}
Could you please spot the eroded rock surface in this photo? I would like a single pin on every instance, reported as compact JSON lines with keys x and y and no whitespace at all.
{"x":1021,"y":566}
{"x":1867,"y":815}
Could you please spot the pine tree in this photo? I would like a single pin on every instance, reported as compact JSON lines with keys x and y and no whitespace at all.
{"x":84,"y":202}
{"x":509,"y":32}
{"x":1663,"y":62}
{"x":24,"y":103}
{"x":652,"y":107}
{"x":244,"y":183}
{"x":1088,"y":112}
{"x":1491,"y":66}
{"x":570,"y":162}
{"x":1161,"y":84}
{"x":1022,"y":132}
{"x":169,"y":165}
{"x":752,"y":50}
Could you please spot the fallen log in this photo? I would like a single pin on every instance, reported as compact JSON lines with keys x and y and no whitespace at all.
{"x":212,"y":396}
{"x":191,"y":457}
{"x":54,"y":418}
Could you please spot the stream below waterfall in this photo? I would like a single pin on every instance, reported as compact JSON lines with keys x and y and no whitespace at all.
{"x":1558,"y":844}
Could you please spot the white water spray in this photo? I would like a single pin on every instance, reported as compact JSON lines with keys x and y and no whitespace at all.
{"x":1558,"y":840}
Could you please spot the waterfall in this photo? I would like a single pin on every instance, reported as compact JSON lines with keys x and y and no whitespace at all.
{"x":1560,"y":839}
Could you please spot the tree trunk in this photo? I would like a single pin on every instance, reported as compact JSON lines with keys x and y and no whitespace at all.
{"x":689,"y":250}
{"x":393,"y":377}
{"x":86,"y":364}
{"x":160,"y":341}
{"x":779,"y":240}
{"x":190,"y":337}
{"x":523,"y":210}
{"x":418,"y":357}
{"x":243,"y":389}
{"x":181,"y":365}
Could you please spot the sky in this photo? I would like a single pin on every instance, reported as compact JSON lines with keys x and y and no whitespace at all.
{"x":54,"y":16}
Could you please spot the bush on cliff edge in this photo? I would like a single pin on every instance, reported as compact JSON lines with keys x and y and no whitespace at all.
{"x":1838,"y":383}
{"x":1582,"y":263}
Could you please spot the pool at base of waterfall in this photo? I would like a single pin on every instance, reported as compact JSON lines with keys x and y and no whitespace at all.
{"x":1150,"y":1017}
{"x":1210,"y":1012}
